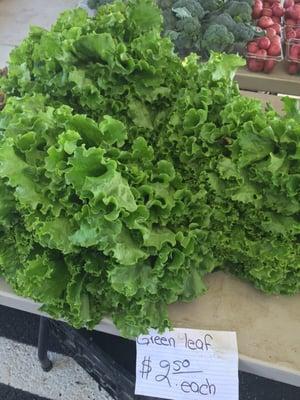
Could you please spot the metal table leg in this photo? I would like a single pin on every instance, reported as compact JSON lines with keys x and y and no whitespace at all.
{"x":44,"y":329}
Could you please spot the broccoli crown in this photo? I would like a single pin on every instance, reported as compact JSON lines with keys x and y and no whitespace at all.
{"x":169,"y":20}
{"x":217,"y":38}
{"x":224,"y":19}
{"x":210,"y":5}
{"x":243,"y":32}
{"x":165,"y":4}
{"x":192,"y":6}
{"x":189,"y":26}
{"x":240,"y":11}
{"x":240,"y":48}
{"x":184,"y":44}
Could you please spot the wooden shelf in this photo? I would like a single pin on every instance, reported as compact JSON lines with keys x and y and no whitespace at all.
{"x":278,"y":81}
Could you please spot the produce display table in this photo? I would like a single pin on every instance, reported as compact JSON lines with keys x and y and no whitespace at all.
{"x":279,"y":81}
{"x":266,"y":326}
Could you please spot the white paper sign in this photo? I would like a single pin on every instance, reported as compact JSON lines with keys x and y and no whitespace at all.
{"x":187,"y":364}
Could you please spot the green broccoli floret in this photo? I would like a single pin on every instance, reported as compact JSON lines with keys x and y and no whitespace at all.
{"x":165,"y":4}
{"x":240,"y":11}
{"x":184,"y":44}
{"x":210,"y":5}
{"x":217,"y":38}
{"x":243,"y":32}
{"x":240,"y":48}
{"x":186,"y":37}
{"x":192,"y":6}
{"x":169,"y":20}
{"x":189,"y":26}
{"x":182,"y":24}
{"x":223,"y":19}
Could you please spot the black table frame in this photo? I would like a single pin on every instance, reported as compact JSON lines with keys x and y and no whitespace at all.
{"x":118,"y":382}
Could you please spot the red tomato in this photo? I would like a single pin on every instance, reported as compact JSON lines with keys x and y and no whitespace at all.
{"x":263,"y":42}
{"x":293,"y":68}
{"x":276,"y":20}
{"x":274,"y":50}
{"x":290,"y":22}
{"x":255,"y":65}
{"x":265,"y":22}
{"x":276,"y":39}
{"x":297,"y":31}
{"x":288,"y":12}
{"x":257,"y":10}
{"x":267,"y":12}
{"x":294,"y":52}
{"x":270,"y":32}
{"x":261,"y":53}
{"x":291,"y":34}
{"x":288,"y":3}
{"x":296,"y":12}
{"x":277,"y":28}
{"x":277,"y":10}
{"x":269,"y":66}
{"x":252,"y":47}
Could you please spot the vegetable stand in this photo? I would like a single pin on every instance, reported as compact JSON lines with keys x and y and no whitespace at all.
{"x":266,"y":325}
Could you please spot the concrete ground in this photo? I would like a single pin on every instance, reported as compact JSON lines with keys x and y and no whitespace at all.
{"x":17,"y":15}
{"x":21,"y":377}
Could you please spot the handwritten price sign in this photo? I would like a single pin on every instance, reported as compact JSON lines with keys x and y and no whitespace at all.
{"x":187,"y":364}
